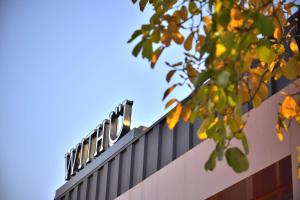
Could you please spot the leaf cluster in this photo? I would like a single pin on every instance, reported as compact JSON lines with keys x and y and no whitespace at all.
{"x":232,"y":51}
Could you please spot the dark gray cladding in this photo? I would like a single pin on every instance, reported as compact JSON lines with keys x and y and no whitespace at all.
{"x":137,"y":155}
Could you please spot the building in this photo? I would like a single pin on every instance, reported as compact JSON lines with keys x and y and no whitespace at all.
{"x":156,"y":163}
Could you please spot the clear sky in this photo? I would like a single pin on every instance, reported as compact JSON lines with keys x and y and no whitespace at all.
{"x":64,"y":66}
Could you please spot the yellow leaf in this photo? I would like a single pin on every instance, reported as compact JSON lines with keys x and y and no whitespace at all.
{"x":279,"y":131}
{"x":199,"y":45}
{"x":155,"y":37}
{"x":298,"y":155}
{"x":277,"y":33}
{"x":170,"y":102}
{"x":183,"y":13}
{"x":170,"y":75}
{"x":155,"y":56}
{"x":287,"y":7}
{"x":236,"y":18}
{"x":298,"y":173}
{"x":248,"y":58}
{"x":291,"y":69}
{"x":189,"y":42}
{"x":289,"y":107}
{"x":177,"y":16}
{"x":256,"y":101}
{"x":166,"y":38}
{"x":178,"y":37}
{"x":271,"y":66}
{"x":208,"y":23}
{"x":220,"y":49}
{"x":236,"y":123}
{"x":207,"y":20}
{"x":294,"y":46}
{"x":280,"y":15}
{"x":168,"y":91}
{"x":186,"y":113}
{"x":243,"y":92}
{"x":173,"y":116}
{"x":298,"y":118}
{"x":202,"y":135}
{"x":263,"y":91}
{"x":192,"y":73}
{"x":172,"y":26}
{"x":213,"y":123}
{"x":280,"y":136}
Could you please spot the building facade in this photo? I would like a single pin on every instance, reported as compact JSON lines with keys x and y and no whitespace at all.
{"x":157,"y":163}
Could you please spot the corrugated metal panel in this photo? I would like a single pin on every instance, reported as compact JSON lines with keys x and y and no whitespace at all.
{"x":134,"y":158}
{"x":92,"y":186}
{"x":125,"y":170}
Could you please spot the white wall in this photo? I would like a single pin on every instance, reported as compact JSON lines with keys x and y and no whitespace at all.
{"x":185,"y":177}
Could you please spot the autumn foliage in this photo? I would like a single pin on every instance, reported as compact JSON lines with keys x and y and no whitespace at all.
{"x":232,"y":51}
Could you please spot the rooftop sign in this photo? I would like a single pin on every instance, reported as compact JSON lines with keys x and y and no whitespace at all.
{"x":102,"y":137}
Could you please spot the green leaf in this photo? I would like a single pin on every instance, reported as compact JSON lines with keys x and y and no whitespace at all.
{"x":137,"y":48}
{"x":202,"y":95}
{"x":246,"y":40}
{"x":143,"y":4}
{"x":231,"y":100}
{"x":220,"y":150}
{"x":222,"y":100}
{"x":134,"y":35}
{"x":147,"y":49}
{"x":193,"y":117}
{"x":241,"y":136}
{"x":264,"y":24}
{"x":265,"y":54}
{"x":205,"y":124}
{"x":194,"y":10}
{"x":202,"y":77}
{"x":245,"y":144}
{"x":146,"y":28}
{"x":223,"y":78}
{"x":292,"y":68}
{"x":237,"y":160}
{"x":211,"y":162}
{"x":155,"y":37}
{"x":224,"y":17}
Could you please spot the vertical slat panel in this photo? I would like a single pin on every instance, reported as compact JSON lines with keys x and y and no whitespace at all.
{"x":75,"y":193}
{"x":152,"y":151}
{"x":279,"y":84}
{"x":183,"y":138}
{"x":103,"y":179}
{"x":166,"y":145}
{"x":196,"y":126}
{"x":67,"y":196}
{"x":83,"y":189}
{"x":125,"y":172}
{"x":113,"y":177}
{"x":79,"y":191}
{"x":92,"y":186}
{"x":71,"y":193}
{"x":138,"y":162}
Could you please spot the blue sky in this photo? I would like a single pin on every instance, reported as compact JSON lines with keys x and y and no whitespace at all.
{"x":64,"y":66}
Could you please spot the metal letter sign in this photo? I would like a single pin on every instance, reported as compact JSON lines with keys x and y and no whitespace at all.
{"x":102,"y":137}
